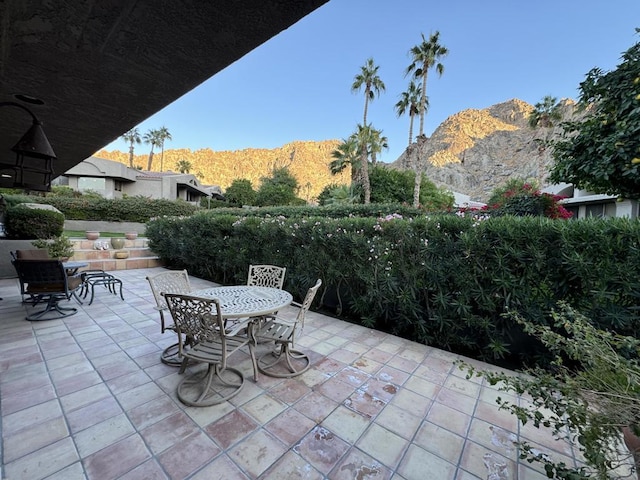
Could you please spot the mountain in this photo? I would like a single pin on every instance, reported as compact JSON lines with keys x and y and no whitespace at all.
{"x":308,"y":161}
{"x":475,"y":151}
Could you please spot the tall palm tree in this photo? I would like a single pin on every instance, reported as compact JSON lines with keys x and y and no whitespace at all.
{"x":373,"y":85}
{"x":410,"y":103}
{"x":163,"y":134}
{"x":132,"y":137}
{"x":151,"y":138}
{"x":424,"y":56}
{"x":363,"y":135}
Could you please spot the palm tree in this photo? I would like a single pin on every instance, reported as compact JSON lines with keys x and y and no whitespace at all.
{"x":423,"y":57}
{"x":373,"y":85}
{"x":184,"y":166}
{"x":163,"y":134}
{"x":410,"y":103}
{"x":546,"y":113}
{"x":345,"y":154}
{"x":132,"y":137}
{"x":376,"y":142}
{"x":151,"y":138}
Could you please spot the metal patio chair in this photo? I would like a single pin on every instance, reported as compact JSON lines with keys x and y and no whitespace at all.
{"x":200,"y":320}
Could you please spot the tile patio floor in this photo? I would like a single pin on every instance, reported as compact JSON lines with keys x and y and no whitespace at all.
{"x":86,"y":397}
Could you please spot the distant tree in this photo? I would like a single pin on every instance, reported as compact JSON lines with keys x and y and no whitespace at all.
{"x":240,"y":193}
{"x":152,"y":137}
{"x":132,"y":137}
{"x":545,"y":113}
{"x":410,"y":103}
{"x":278,"y":189}
{"x":376,"y":143}
{"x":163,"y":135}
{"x":345,"y":155}
{"x":424,"y":56}
{"x":373,"y":85}
{"x":184,"y":166}
{"x":601,"y":151}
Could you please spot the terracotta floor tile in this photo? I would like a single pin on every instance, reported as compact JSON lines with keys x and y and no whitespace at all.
{"x":482,"y":462}
{"x":257,"y":453}
{"x":358,"y":465}
{"x":149,"y":470}
{"x":352,"y":376}
{"x":335,"y":389}
{"x":27,"y":417}
{"x":93,"y":413}
{"x":151,"y":412}
{"x":103,"y":434}
{"x":34,"y":437}
{"x":117,"y":459}
{"x":139,"y":395}
{"x":346,"y":423}
{"x":169,"y":432}
{"x":231,"y":428}
{"x":128,"y":381}
{"x":316,"y":406}
{"x":322,"y":449}
{"x":291,"y":466}
{"x":43,"y":462}
{"x":418,"y":461}
{"x":456,"y":400}
{"x":364,"y":403}
{"x":383,"y":445}
{"x":399,"y":421}
{"x":22,"y":399}
{"x":264,"y":408}
{"x":188,"y":455}
{"x":449,"y":418}
{"x":289,"y":391}
{"x":415,"y":404}
{"x":440,"y":441}
{"x":423,"y":387}
{"x":290,"y":426}
{"x":84,"y":397}
{"x":222,"y":468}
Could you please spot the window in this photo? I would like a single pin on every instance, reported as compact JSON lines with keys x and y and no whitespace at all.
{"x":91,"y":183}
{"x":601,"y":210}
{"x":117,"y":186}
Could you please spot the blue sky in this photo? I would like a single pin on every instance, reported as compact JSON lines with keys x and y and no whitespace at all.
{"x":297,"y":86}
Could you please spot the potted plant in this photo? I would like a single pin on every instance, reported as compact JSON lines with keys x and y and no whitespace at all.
{"x":591,"y":390}
{"x":58,"y":247}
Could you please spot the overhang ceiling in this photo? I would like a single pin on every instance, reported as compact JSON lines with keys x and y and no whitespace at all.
{"x":103,"y":66}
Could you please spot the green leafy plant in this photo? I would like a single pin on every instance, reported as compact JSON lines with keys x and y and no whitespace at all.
{"x":23,"y":222}
{"x":58,"y":247}
{"x":591,"y":391}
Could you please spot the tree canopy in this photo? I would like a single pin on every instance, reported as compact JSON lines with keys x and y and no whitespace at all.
{"x":601,"y":151}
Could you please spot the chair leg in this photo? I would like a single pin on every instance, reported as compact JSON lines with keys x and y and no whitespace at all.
{"x":210,"y":387}
{"x":290,"y":358}
{"x":52,"y":306}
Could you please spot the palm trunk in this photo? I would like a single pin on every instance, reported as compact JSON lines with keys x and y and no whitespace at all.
{"x":366,"y":185}
{"x":423,"y":100}
{"x":410,"y":128}
{"x":150,"y":161}
{"x":131,"y":155}
{"x":418,"y":180}
{"x":162,"y":158}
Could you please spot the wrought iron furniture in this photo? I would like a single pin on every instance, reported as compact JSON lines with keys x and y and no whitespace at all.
{"x":169,"y":282}
{"x":91,"y":278}
{"x":283,"y":332}
{"x":266,"y":276}
{"x":32,"y":254}
{"x":47,"y":280}
{"x":200,"y":320}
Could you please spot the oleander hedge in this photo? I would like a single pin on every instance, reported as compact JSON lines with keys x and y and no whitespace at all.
{"x":443,"y":280}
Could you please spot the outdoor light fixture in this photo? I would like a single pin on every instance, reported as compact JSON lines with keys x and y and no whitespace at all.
{"x":33,"y":167}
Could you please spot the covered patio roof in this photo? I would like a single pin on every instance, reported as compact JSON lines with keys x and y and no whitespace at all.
{"x":97,"y":69}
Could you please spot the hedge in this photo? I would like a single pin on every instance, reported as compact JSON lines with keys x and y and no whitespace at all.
{"x":442,"y":280}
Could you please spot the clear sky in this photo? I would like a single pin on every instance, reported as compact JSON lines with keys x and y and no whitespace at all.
{"x":297,"y":86}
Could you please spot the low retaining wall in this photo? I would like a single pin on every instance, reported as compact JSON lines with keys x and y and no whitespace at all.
{"x":116,"y":227}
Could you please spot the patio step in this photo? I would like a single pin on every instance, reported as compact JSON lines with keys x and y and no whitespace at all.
{"x":100,"y":254}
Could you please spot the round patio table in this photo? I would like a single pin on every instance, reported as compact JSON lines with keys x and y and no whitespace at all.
{"x":240,"y":301}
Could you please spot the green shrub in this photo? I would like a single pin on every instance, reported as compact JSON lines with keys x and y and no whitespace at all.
{"x":26,"y":223}
{"x":442,"y":280}
{"x":240,"y":193}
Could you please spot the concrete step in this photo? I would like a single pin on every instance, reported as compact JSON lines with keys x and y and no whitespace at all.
{"x":100,"y":254}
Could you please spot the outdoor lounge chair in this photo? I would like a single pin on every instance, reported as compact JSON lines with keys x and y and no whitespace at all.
{"x":200,"y":320}
{"x":168,"y":282}
{"x":47,"y":280}
{"x":283,"y":332}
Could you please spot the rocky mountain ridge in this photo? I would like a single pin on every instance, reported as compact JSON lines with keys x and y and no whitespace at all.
{"x":477,"y":150}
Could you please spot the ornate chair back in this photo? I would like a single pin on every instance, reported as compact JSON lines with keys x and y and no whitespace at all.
{"x":266,"y":276}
